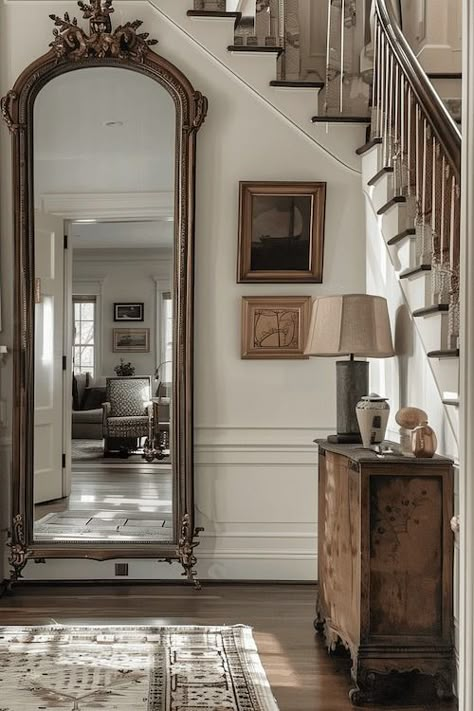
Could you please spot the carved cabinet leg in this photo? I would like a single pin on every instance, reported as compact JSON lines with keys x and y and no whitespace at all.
{"x":444,"y":685}
{"x":365,"y":687}
{"x":318,"y":620}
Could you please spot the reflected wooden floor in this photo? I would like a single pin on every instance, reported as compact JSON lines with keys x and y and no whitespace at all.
{"x":133,"y":493}
{"x":302,"y":675}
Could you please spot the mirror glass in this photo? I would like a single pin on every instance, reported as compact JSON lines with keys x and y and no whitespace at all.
{"x":104,"y":171}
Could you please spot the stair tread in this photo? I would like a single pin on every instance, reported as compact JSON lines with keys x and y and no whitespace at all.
{"x":380,"y":174}
{"x":298,"y":84}
{"x":444,"y":75}
{"x":398,"y":199}
{"x":447,"y":353}
{"x":433,"y":309}
{"x":237,"y":16}
{"x":340,"y":119}
{"x":367,"y":146}
{"x":409,"y":232}
{"x":213,"y":13}
{"x":412,"y":271}
{"x":255,"y":48}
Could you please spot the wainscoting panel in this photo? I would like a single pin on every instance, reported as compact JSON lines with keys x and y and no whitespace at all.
{"x":256,"y":497}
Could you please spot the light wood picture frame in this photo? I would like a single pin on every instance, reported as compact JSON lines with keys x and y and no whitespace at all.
{"x":131,"y":340}
{"x":281,"y":232}
{"x":275,"y":326}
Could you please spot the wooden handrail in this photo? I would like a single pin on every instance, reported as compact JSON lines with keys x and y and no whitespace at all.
{"x":435,"y":111}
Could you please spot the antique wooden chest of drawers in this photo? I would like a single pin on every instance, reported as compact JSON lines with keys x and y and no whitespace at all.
{"x":385,"y":559}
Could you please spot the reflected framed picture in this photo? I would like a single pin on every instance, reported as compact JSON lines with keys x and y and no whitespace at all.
{"x":128,"y":312}
{"x":275,"y":326}
{"x":131,"y":340}
{"x":281,"y":232}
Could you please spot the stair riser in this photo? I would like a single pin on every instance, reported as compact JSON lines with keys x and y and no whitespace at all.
{"x":433,"y":330}
{"x":382,"y":191}
{"x":418,"y":290}
{"x":446,"y":372}
{"x":404,"y":254}
{"x":215,"y":34}
{"x":394,"y":221}
{"x":370,"y":164}
{"x":448,"y":88}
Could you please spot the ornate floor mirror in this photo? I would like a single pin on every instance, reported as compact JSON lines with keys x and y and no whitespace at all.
{"x":104,"y":149}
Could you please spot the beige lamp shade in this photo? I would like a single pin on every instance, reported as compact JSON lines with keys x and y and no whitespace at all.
{"x":356,"y":324}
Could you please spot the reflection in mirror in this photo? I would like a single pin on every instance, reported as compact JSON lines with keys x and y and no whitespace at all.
{"x":104,"y":162}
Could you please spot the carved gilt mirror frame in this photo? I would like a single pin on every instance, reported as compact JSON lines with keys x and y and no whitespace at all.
{"x":74,"y":48}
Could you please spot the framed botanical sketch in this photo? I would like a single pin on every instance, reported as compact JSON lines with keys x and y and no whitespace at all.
{"x":275,"y":326}
{"x":281,"y":232}
{"x":128,"y":312}
{"x":131,"y":340}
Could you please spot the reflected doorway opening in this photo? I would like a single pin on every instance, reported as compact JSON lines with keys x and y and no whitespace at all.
{"x":117,"y":490}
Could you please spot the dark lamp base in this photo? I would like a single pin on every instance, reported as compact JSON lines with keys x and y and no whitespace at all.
{"x":345,"y":439}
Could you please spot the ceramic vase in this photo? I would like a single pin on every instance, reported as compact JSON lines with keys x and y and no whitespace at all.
{"x":372,"y":416}
{"x":423,"y":441}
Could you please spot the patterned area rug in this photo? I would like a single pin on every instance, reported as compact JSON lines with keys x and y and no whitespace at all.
{"x":85,"y":449}
{"x":132,"y":668}
{"x":105,"y":526}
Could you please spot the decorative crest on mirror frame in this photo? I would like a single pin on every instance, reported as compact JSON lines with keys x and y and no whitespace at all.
{"x":124,"y":42}
{"x":73,"y":48}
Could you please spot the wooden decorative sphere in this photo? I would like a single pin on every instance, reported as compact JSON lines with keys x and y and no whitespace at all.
{"x":410,"y":417}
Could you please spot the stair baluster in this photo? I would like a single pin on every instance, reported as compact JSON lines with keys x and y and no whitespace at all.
{"x":422,"y":144}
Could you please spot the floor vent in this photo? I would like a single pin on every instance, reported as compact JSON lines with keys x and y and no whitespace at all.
{"x":121,"y":568}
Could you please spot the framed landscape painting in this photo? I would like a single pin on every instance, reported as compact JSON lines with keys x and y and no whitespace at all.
{"x":275,"y":326}
{"x":131,"y":340}
{"x":281,"y":232}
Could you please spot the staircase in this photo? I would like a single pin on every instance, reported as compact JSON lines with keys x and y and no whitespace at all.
{"x":409,"y":145}
{"x":411,"y":173}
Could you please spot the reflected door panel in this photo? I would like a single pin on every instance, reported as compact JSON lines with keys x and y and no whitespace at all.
{"x":49,"y":319}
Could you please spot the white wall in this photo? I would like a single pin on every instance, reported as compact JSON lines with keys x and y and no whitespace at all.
{"x":255,"y":473}
{"x":124,"y":276}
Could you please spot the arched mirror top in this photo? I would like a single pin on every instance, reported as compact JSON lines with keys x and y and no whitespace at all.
{"x":78,"y":47}
{"x":125,"y":46}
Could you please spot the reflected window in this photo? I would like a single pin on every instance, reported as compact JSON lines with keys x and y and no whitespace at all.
{"x":167,"y":341}
{"x":84,"y":336}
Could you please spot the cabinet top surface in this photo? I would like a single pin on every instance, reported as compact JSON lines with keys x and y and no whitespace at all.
{"x":359,"y":454}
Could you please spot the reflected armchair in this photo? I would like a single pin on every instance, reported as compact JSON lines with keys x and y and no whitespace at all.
{"x":126,"y":413}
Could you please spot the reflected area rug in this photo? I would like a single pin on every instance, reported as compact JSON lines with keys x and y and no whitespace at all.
{"x":105,"y":526}
{"x":125,"y":668}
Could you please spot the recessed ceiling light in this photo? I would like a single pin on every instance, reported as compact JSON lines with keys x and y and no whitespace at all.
{"x":112,"y":124}
{"x":83,"y":222}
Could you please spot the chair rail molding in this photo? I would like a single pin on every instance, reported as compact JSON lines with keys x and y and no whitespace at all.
{"x":466,"y":483}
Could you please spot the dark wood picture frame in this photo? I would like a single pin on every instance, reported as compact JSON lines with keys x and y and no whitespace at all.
{"x":282,"y":239}
{"x":139,"y":305}
{"x":101,"y":47}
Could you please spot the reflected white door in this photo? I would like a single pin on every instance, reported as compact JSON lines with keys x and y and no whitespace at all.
{"x":49,"y":323}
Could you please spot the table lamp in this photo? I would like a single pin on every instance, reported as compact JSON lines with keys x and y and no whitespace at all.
{"x":353,"y":325}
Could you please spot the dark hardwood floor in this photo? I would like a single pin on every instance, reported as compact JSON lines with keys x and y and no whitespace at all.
{"x":302,"y":675}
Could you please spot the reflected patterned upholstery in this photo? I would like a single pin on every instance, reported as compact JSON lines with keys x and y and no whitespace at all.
{"x":127,"y":410}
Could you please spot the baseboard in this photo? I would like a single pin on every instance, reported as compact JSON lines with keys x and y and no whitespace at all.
{"x":208,"y":582}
